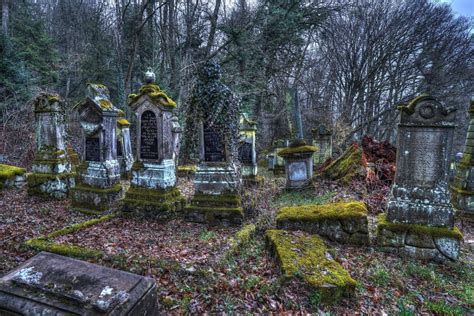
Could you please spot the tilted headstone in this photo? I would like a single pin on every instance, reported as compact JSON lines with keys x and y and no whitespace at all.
{"x":247,"y":152}
{"x":49,"y":284}
{"x":322,"y":139}
{"x":216,"y":199}
{"x":51,"y":170}
{"x":462,"y":187}
{"x":124,"y":147}
{"x":420,"y":219}
{"x":153,"y":190}
{"x":99,"y":175}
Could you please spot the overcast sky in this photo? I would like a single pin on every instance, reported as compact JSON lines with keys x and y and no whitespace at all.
{"x":463,"y":7}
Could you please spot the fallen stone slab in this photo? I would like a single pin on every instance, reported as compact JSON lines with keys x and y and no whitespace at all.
{"x":50,"y":284}
{"x":344,"y":222}
{"x":302,"y":255}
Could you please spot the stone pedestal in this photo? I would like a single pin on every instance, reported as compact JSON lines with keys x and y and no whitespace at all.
{"x":153,"y":191}
{"x":420,"y":195}
{"x":298,"y":164}
{"x":124,"y":148}
{"x":49,"y":284}
{"x":322,"y":139}
{"x":98,"y":184}
{"x":51,"y":170}
{"x":462,"y":187}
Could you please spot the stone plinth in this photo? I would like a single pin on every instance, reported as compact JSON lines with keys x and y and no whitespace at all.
{"x":462,"y":187}
{"x":322,"y":139}
{"x":153,"y":189}
{"x":11,"y":176}
{"x":298,"y":164}
{"x":49,"y":284}
{"x":341,"y":222}
{"x":124,"y":148}
{"x":99,"y":175}
{"x":51,"y":170}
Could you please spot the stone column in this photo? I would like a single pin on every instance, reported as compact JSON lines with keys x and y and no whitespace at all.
{"x":124,"y":148}
{"x":322,"y":140}
{"x":419,"y":220}
{"x":51,"y":170}
{"x":247,"y":152}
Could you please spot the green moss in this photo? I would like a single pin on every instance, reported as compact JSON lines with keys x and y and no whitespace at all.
{"x":383,"y":223}
{"x":345,"y":167}
{"x":410,"y":107}
{"x":304,"y":255}
{"x":123,"y":122}
{"x":155,"y":94}
{"x":137,"y":165}
{"x":331,"y":211}
{"x":215,"y":199}
{"x":87,"y":188}
{"x":36,"y":179}
{"x":53,"y":98}
{"x":296,"y":150}
{"x":105,"y":104}
{"x":216,"y":211}
{"x":8,"y":172}
{"x":244,"y":235}
{"x":65,"y":250}
{"x":75,"y":227}
{"x":187,"y":169}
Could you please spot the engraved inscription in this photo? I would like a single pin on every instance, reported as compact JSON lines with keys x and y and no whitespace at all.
{"x":245,"y":153}
{"x":92,"y":149}
{"x":214,"y":147}
{"x":148,"y":136}
{"x":298,"y":171}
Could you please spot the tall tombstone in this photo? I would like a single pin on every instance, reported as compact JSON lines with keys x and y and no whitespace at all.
{"x":247,"y":152}
{"x":153,"y":192}
{"x":216,"y":199}
{"x":99,"y":174}
{"x":51,"y":170}
{"x":462,"y":187}
{"x":278,"y":161}
{"x":420,"y":194}
{"x":124,"y":147}
{"x":322,"y":139}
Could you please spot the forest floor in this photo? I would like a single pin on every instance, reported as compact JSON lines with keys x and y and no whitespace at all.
{"x":197,"y":269}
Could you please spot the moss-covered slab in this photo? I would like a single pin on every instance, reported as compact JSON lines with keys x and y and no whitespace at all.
{"x":54,"y":185}
{"x":91,"y":200}
{"x":344,"y":222}
{"x":186,"y":170}
{"x":346,"y":167}
{"x":303,"y":255}
{"x":288,"y":151}
{"x":423,"y":242}
{"x":224,"y":209}
{"x":11,"y":176}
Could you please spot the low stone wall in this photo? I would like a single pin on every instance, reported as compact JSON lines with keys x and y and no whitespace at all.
{"x":11,"y":176}
{"x":225,"y":209}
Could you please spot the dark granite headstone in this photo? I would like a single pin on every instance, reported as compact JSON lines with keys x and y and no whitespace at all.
{"x":49,"y":284}
{"x":214,"y":147}
{"x":245,"y":153}
{"x":92,"y":149}
{"x":149,"y":136}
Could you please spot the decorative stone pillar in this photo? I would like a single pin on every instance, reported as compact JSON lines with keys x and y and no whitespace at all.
{"x":419,"y":220}
{"x":279,"y":162}
{"x":462,"y":187}
{"x":124,"y":148}
{"x":51,"y":170}
{"x":99,"y":175}
{"x":216,"y":199}
{"x":153,"y":192}
{"x":298,"y":164}
{"x":322,"y":139}
{"x":247,"y":152}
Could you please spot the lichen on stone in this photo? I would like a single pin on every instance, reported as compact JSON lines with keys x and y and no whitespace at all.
{"x":331,"y":211}
{"x":155,"y":94}
{"x":8,"y":172}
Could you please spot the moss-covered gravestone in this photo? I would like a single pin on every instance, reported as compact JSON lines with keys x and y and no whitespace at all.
{"x":51,"y":170}
{"x":215,"y":110}
{"x":98,"y":177}
{"x":124,"y":147}
{"x":298,"y":164}
{"x":153,"y":190}
{"x":420,"y":219}
{"x":462,"y":187}
{"x":278,"y":163}
{"x":322,"y":139}
{"x":247,"y":153}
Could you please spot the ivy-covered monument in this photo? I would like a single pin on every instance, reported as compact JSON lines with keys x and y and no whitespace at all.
{"x":247,"y":152}
{"x":51,"y":170}
{"x":213,"y":129}
{"x":420,"y":219}
{"x":462,"y":187}
{"x":98,"y":176}
{"x":153,"y":190}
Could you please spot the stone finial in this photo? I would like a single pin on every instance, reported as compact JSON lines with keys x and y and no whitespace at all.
{"x":427,"y":110}
{"x":150,"y":76}
{"x":48,"y":102}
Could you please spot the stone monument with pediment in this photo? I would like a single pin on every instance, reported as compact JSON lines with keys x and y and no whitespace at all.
{"x":51,"y":174}
{"x":153,"y":191}
{"x":98,"y":176}
{"x":420,"y":219}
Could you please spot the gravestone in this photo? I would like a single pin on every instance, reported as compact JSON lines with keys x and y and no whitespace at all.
{"x":462,"y":186}
{"x":279,"y":162}
{"x":298,"y":163}
{"x":216,"y":200}
{"x":322,"y":139}
{"x":51,"y":174}
{"x":49,"y":284}
{"x":420,"y":195}
{"x":153,"y":190}
{"x":247,"y":152}
{"x":124,"y":147}
{"x":98,"y":177}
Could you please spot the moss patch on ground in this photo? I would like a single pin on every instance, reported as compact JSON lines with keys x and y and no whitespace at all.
{"x":8,"y":172}
{"x":331,"y":211}
{"x":303,"y":255}
{"x":383,"y":223}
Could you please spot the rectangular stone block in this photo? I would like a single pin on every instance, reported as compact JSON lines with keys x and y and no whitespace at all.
{"x":50,"y":284}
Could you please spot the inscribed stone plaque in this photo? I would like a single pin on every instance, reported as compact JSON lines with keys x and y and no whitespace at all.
{"x":214,"y":147}
{"x":149,"y":136}
{"x":298,"y":171}
{"x":245,"y":153}
{"x":92,"y":149}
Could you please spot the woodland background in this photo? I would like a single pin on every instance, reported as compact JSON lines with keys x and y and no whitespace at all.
{"x":351,"y":62}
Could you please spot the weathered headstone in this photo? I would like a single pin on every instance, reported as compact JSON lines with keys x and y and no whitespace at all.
{"x":124,"y":147}
{"x":247,"y":152}
{"x":49,"y":284}
{"x":298,"y":164}
{"x":216,"y":199}
{"x":51,"y":170}
{"x":278,"y":161}
{"x":322,"y":139}
{"x":462,"y":187}
{"x":98,"y":184}
{"x":153,"y":190}
{"x":420,"y":218}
